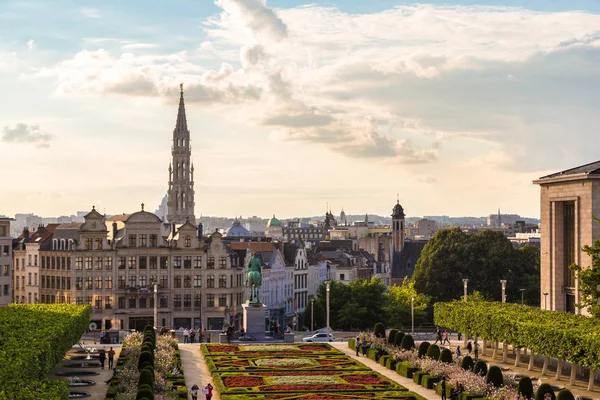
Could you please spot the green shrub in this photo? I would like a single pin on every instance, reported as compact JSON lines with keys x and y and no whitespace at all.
{"x":391,"y":336}
{"x":427,"y":381}
{"x":494,"y":376}
{"x":446,"y":356}
{"x":146,"y":377}
{"x":145,"y":392}
{"x":352,"y":343}
{"x":383,"y":359}
{"x":417,"y":376}
{"x":467,"y":363}
{"x":379,"y":330}
{"x":433,"y":352}
{"x":542,"y":390}
{"x":145,"y":357}
{"x":480,"y":368}
{"x":372,"y":354}
{"x":565,"y":394}
{"x":525,"y":387}
{"x":182,"y":392}
{"x":423,"y":347}
{"x":438,"y":389}
{"x":111,"y":392}
{"x":408,"y":342}
{"x":399,"y":338}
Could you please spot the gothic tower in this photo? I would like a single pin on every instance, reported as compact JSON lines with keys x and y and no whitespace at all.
{"x":180,"y":206}
{"x":398,"y":227}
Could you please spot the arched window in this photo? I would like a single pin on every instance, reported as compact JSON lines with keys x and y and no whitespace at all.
{"x":63,"y":243}
{"x":70,"y":244}
{"x":54,"y":244}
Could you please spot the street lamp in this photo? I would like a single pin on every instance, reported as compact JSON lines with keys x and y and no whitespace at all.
{"x":545,"y":298}
{"x":328,"y":283}
{"x":155,"y":305}
{"x":312,"y":314}
{"x":503,"y":282}
{"x":522,"y":296}
{"x":412,"y":314}
{"x":465,"y":283}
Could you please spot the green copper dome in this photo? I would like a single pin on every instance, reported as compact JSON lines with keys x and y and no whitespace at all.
{"x":273,"y":222}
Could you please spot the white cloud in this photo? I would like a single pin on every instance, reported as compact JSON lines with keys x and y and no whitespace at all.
{"x":140,"y":46}
{"x":91,"y":13}
{"x":29,"y":134}
{"x":30,"y":44}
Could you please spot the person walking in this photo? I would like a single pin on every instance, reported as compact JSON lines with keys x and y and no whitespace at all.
{"x":364,"y":347}
{"x":208,"y":391}
{"x":357,"y":345}
{"x":443,"y":385}
{"x":446,"y":337}
{"x":102,"y":358}
{"x":476,"y":350}
{"x":194,"y":392}
{"x":192,"y":335}
{"x":457,"y":352}
{"x":111,"y":358}
{"x":186,"y":335}
{"x":469,"y":347}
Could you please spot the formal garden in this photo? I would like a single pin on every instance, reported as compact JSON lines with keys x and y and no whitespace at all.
{"x":295,"y":371}
{"x":33,"y":339}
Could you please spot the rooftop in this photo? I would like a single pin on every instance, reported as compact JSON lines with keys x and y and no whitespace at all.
{"x":587,"y":169}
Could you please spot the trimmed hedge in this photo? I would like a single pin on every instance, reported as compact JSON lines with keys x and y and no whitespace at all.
{"x":427,"y":381}
{"x":417,"y":376}
{"x":494,"y":376}
{"x":423,"y":347}
{"x":565,"y":394}
{"x":542,"y":390}
{"x":392,"y":336}
{"x":408,"y":342}
{"x":379,"y":330}
{"x":405,"y":369}
{"x":433,"y":352}
{"x":446,"y":356}
{"x":398,"y":339}
{"x":480,"y":368}
{"x":525,"y":387}
{"x":467,"y":363}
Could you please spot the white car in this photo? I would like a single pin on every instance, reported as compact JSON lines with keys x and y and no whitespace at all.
{"x":319,"y":337}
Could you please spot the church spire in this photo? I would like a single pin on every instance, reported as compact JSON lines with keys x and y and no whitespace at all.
{"x":181,"y":125}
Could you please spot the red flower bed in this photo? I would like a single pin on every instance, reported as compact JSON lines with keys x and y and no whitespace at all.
{"x":298,"y":373}
{"x":313,"y":348}
{"x":242,"y":381}
{"x":323,"y":387}
{"x":222,"y":349}
{"x":365,"y":380}
{"x":334,"y":397}
{"x":334,"y":362}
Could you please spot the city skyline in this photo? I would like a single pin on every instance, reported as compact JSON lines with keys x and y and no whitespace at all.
{"x":292,"y":105}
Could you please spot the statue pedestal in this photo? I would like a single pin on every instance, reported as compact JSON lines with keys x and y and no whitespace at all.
{"x":254,"y":318}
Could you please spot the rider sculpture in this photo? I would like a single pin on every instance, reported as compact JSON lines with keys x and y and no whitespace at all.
{"x":254,"y":279}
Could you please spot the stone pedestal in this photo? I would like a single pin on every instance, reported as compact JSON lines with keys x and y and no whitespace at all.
{"x":254,"y":318}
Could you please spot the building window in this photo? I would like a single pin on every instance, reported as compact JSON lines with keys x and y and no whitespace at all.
{"x":143,"y":262}
{"x":164,"y":281}
{"x":187,"y":300}
{"x":122,"y":262}
{"x":210,"y":300}
{"x":153,"y":279}
{"x":88,"y":263}
{"x":188,"y":241}
{"x":197,"y":262}
{"x":108,"y":263}
{"x":569,"y":242}
{"x":342,"y":277}
{"x":78,"y":283}
{"x":197,"y":300}
{"x":143,"y":240}
{"x":98,"y":302}
{"x":122,"y":302}
{"x":99,"y":244}
{"x":177,"y":262}
{"x":153,"y":262}
{"x":98,"y":282}
{"x":210,"y":281}
{"x":131,"y":262}
{"x":89,"y":283}
{"x":132,"y":281}
{"x":35,"y":260}
{"x":177,"y":301}
{"x":143,"y":281}
{"x":108,"y":282}
{"x":142,"y":302}
{"x":35,"y":279}
{"x":187,"y":281}
{"x":153,"y":240}
{"x":131,"y":240}
{"x":108,"y":302}
{"x":164,"y":262}
{"x":197,"y":281}
{"x":187,"y":262}
{"x":222,"y":300}
{"x":89,"y":242}
{"x":28,"y":278}
{"x":210,"y":263}
{"x":222,"y":281}
{"x":222,"y":262}
{"x":132,"y":303}
{"x":164,"y":301}
{"x":177,"y":282}
{"x":121,"y":283}
{"x":98,"y":263}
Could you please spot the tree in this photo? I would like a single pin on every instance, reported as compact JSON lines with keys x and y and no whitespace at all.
{"x":398,"y":304}
{"x":589,"y":279}
{"x":320,"y":317}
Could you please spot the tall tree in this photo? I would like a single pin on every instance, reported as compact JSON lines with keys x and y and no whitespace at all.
{"x":319,"y":319}
{"x":398,"y":305}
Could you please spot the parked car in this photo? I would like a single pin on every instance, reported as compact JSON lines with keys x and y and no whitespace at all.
{"x":319,"y":337}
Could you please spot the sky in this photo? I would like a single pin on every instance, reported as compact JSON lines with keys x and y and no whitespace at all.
{"x":453,"y":106}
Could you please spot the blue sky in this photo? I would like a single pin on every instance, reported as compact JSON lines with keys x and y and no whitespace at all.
{"x":456,"y":106}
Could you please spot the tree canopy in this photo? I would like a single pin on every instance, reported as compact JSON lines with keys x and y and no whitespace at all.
{"x":484,"y":259}
{"x":589,"y":280}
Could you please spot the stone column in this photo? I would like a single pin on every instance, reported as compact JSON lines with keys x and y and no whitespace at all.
{"x":531,"y":360}
{"x":558,"y":370}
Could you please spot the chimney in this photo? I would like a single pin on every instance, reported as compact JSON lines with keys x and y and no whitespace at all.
{"x":114,"y":232}
{"x":26,"y":233}
{"x":200,"y":231}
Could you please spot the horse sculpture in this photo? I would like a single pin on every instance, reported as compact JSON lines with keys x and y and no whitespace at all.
{"x":254,"y":279}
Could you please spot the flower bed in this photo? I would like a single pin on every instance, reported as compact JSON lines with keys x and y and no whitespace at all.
{"x":268,"y":349}
{"x":284,"y":362}
{"x":397,"y":395}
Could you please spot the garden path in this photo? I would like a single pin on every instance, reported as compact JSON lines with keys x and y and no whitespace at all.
{"x":195,"y":369}
{"x":388,"y":373}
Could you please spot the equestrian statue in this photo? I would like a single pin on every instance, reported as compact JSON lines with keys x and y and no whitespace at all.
{"x":254,"y":279}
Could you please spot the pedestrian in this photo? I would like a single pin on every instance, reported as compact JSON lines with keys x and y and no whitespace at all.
{"x":443,"y":384}
{"x":186,"y":335}
{"x":457,"y":352}
{"x":208,"y":391}
{"x":111,"y":358}
{"x":194,"y":392}
{"x":469,"y":347}
{"x":192,"y":335}
{"x":459,"y":336}
{"x":102,"y":337}
{"x":476,"y":351}
{"x":102,"y":358}
{"x":357,"y":345}
{"x":438,"y":336}
{"x":446,"y":337}
{"x":364,"y":347}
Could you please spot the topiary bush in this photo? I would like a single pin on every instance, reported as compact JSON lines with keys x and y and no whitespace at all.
{"x":146,"y":377}
{"x":446,"y":356}
{"x":525,"y":387}
{"x":379,"y":330}
{"x":392,"y":336}
{"x":565,"y":394}
{"x":423,"y":347}
{"x":398,"y":339}
{"x":408,"y":342}
{"x":145,"y":357}
{"x":542,"y":390}
{"x":467,"y":363}
{"x":145,"y":393}
{"x":480,"y":368}
{"x":433,"y":352}
{"x":494,"y":376}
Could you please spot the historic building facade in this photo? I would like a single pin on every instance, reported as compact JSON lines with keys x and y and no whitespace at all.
{"x":569,"y":201}
{"x":5,"y":262}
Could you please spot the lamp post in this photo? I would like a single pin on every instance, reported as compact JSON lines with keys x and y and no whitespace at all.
{"x":522,"y":296}
{"x":312,"y":314}
{"x":465,"y":283}
{"x":155,"y":305}
{"x":503,"y":282}
{"x":412,"y":314}
{"x":328,"y":283}
{"x":545,"y":298}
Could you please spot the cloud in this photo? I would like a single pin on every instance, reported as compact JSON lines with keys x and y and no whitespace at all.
{"x":140,"y":46}
{"x":91,"y":13}
{"x":30,"y":44}
{"x":261,"y":21}
{"x":23,"y":133}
